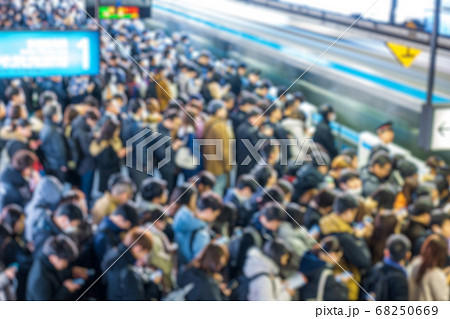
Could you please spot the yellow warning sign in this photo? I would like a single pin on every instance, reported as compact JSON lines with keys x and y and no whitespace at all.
{"x":404,"y":54}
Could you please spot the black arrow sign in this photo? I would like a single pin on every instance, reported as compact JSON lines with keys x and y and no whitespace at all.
{"x":442,"y":129}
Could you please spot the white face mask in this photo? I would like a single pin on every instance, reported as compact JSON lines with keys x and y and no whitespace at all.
{"x":71,"y":230}
{"x":332,"y":117}
{"x":355,"y":191}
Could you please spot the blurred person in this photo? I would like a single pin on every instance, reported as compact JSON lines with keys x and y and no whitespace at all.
{"x":387,"y":280}
{"x":192,"y":227}
{"x":121,"y":189}
{"x":12,"y":220}
{"x":263,"y":266}
{"x":64,"y":221}
{"x":427,"y":281}
{"x":216,"y":129}
{"x":204,"y":273}
{"x":53,"y":146}
{"x":377,"y":173}
{"x":320,"y":206}
{"x":49,"y":279}
{"x":323,"y":134}
{"x":108,"y":151}
{"x":111,"y":228}
{"x":15,"y":179}
{"x":356,"y":252}
{"x":318,"y":266}
{"x":123,"y":282}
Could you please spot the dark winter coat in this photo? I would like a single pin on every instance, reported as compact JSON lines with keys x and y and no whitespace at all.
{"x":53,"y":146}
{"x":14,"y":189}
{"x":245,"y":131}
{"x":205,"y":287}
{"x":45,"y":282}
{"x":324,"y":137}
{"x":122,"y":283}
{"x":106,"y":238}
{"x":312,"y":267}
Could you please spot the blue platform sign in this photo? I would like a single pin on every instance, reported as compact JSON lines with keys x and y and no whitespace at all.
{"x":47,"y":53}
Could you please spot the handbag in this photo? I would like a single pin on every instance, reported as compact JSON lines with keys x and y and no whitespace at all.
{"x":184,"y":158}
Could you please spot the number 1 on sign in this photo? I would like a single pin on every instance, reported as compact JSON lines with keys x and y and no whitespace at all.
{"x":83,"y":44}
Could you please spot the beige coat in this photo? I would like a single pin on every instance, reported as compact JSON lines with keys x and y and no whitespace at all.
{"x":433,"y":286}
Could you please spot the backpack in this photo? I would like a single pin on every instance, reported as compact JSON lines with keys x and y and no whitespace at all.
{"x":376,"y":283}
{"x":240,"y":287}
{"x":179,"y":294}
{"x":236,"y":239}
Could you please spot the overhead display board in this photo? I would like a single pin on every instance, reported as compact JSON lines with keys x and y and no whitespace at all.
{"x":121,"y":12}
{"x":47,"y":53}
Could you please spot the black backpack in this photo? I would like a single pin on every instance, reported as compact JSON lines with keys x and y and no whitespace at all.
{"x":241,"y":285}
{"x":376,"y":283}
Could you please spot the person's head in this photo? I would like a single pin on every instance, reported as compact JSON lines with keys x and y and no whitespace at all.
{"x":350,"y":152}
{"x":287,"y":189}
{"x":155,"y":217}
{"x":350,"y":182}
{"x":52,"y":113}
{"x":217,"y":108}
{"x":255,"y":116}
{"x":60,"y":251}
{"x":440,"y":223}
{"x":323,"y":201}
{"x":420,"y":210}
{"x":13,"y":218}
{"x":121,"y":188}
{"x":272,"y":216}
{"x":91,"y":118}
{"x":208,"y":207}
{"x":246,"y":186}
{"x":380,"y":165}
{"x":277,"y":251}
{"x":275,"y":114}
{"x":229,"y":99}
{"x":23,"y":161}
{"x":154,"y":190}
{"x":409,"y":173}
{"x":332,"y":251}
{"x":109,"y":130}
{"x":226,"y":221}
{"x":386,"y":133}
{"x":296,"y":214}
{"x":113,"y":106}
{"x":433,"y":253}
{"x":22,"y":127}
{"x":253,"y":76}
{"x":125,"y":217}
{"x":185,"y":195}
{"x":140,"y":242}
{"x":398,"y":248}
{"x":212,"y":259}
{"x":338,"y":164}
{"x":434,"y":163}
{"x":327,"y":112}
{"x":346,"y":206}
{"x":265,"y":176}
{"x":242,"y":69}
{"x":385,"y":197}
{"x":205,"y":181}
{"x":172,"y":120}
{"x":271,"y":194}
{"x":68,"y":218}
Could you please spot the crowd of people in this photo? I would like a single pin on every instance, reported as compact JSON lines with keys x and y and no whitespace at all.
{"x":77,"y":223}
